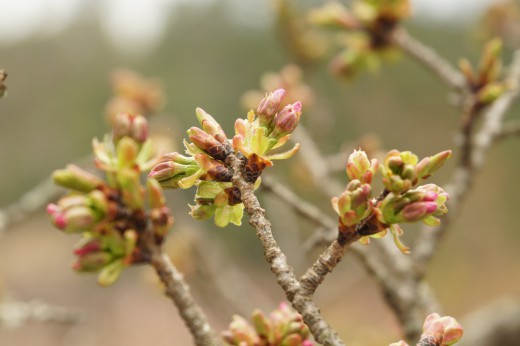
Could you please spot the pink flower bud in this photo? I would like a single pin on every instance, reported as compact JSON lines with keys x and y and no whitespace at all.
{"x":269,"y":106}
{"x":210,"y":125}
{"x":286,"y":121}
{"x":130,"y":125}
{"x":427,"y":166}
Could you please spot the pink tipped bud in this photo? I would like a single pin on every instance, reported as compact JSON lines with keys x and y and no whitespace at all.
{"x":269,"y":106}
{"x":417,"y":211}
{"x":140,"y":129}
{"x":286,"y":121}
{"x":427,"y":166}
{"x":452,"y":331}
{"x":88,"y":246}
{"x":202,"y":139}
{"x":210,"y":125}
{"x":130,"y":125}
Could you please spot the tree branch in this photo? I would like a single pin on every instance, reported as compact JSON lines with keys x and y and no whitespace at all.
{"x":179,"y":292}
{"x":430,"y":59}
{"x":14,"y":313}
{"x":284,"y":273}
{"x":469,"y":165}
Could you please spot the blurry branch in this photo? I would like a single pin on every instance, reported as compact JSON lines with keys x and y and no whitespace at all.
{"x":407,"y":298}
{"x":469,"y":164}
{"x":315,"y":161}
{"x":15,"y":313}
{"x":509,"y":129}
{"x":179,"y":292}
{"x":285,"y":276}
{"x":494,"y":324}
{"x":221,"y":272}
{"x":430,"y":59}
{"x":30,"y":202}
{"x":34,"y":200}
{"x":301,"y":207}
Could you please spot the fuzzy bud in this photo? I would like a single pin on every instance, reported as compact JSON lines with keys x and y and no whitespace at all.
{"x":286,"y":121}
{"x":75,"y":178}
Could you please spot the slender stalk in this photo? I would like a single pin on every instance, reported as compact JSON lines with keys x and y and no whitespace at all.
{"x":430,"y":59}
{"x":284,"y":273}
{"x":179,"y":292}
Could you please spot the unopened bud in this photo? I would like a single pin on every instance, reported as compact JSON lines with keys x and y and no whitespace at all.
{"x":130,"y":186}
{"x":155,"y":194}
{"x":490,"y":92}
{"x":110,"y":273}
{"x":286,"y":121}
{"x":269,"y":105}
{"x":127,"y":151}
{"x":209,"y":144}
{"x":210,"y":125}
{"x":130,"y":125}
{"x":427,"y":166}
{"x":75,"y":178}
{"x":360,"y":168}
{"x":92,"y":262}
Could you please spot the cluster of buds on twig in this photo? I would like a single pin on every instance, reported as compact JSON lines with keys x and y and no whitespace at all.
{"x":206,"y":165}
{"x":133,"y":94}
{"x":283,"y":327}
{"x":438,"y":331}
{"x":485,"y":83}
{"x":368,"y":29}
{"x":116,"y":214}
{"x":403,"y":200}
{"x":305,"y":43}
{"x":502,"y":19}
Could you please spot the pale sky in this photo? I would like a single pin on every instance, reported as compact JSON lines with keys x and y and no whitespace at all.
{"x":130,"y":23}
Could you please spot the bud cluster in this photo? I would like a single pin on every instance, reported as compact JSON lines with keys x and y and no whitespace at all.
{"x":403,"y":200}
{"x":111,"y":213}
{"x":133,"y":94}
{"x":368,"y":26}
{"x":283,"y":327}
{"x":485,"y":82}
{"x":438,"y":330}
{"x":205,"y":164}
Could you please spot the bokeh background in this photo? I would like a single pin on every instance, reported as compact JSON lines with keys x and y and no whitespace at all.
{"x":207,"y":53}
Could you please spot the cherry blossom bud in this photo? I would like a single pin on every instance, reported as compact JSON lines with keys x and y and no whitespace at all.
{"x":130,"y":125}
{"x":210,"y":125}
{"x":269,"y":106}
{"x":360,"y":168}
{"x":286,"y":121}
{"x":75,"y":178}
{"x":429,"y":165}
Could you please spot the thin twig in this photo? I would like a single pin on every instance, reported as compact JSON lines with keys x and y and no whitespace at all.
{"x":301,"y":207}
{"x":15,"y":313}
{"x":509,"y":129}
{"x":284,"y":273}
{"x":465,"y":174}
{"x":179,"y":292}
{"x":34,"y":200}
{"x":316,"y":162}
{"x":430,"y":59}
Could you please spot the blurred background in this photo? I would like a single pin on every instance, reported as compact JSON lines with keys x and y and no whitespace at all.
{"x":60,"y":56}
